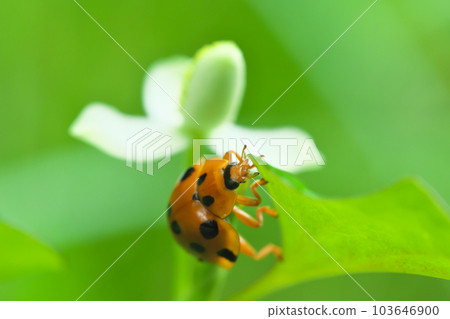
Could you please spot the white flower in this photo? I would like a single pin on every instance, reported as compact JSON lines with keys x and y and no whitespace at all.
{"x":195,"y":97}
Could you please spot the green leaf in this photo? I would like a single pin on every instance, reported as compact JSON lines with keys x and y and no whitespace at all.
{"x":143,"y":273}
{"x":21,"y":254}
{"x":400,"y":229}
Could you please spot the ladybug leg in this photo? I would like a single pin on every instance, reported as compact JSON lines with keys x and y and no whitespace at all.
{"x":247,"y":201}
{"x":249,"y":251}
{"x":249,"y":220}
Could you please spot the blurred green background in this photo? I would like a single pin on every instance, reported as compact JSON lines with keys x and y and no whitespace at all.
{"x":377,"y":105}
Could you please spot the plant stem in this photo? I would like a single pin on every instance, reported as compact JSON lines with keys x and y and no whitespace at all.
{"x":181,"y":277}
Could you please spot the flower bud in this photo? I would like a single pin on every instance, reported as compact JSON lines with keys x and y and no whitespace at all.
{"x":214,"y":86}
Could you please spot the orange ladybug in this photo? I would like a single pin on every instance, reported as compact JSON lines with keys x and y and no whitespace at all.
{"x":201,"y":201}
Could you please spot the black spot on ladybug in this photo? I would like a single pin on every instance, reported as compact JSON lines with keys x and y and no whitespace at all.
{"x":230,"y":183}
{"x":227,"y":254}
{"x":197,"y":247}
{"x":201,"y":179}
{"x":195,"y":196}
{"x":175,"y":227}
{"x":209,"y":229}
{"x":208,"y":200}
{"x":188,"y":173}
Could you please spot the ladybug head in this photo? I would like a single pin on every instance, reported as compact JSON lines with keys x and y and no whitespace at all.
{"x":241,"y":172}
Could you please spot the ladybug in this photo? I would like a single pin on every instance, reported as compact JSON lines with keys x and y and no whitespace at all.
{"x":200,"y":203}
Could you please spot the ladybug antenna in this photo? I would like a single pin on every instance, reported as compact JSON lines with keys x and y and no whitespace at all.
{"x":243,"y":155}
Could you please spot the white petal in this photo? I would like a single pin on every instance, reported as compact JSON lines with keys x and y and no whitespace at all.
{"x":286,"y":148}
{"x":162,"y":90}
{"x":214,"y":86}
{"x":120,"y":135}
